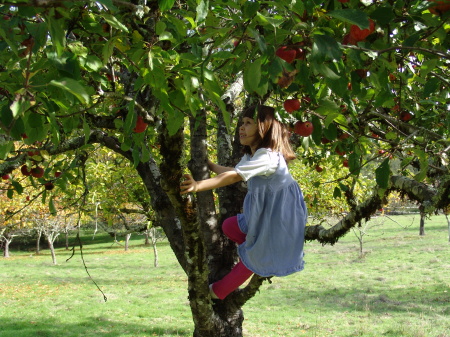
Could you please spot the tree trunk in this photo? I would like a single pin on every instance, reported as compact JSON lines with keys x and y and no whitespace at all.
{"x":66,"y":234}
{"x":127,"y":241}
{"x":422,"y":225}
{"x":7,"y":241}
{"x":38,"y":241}
{"x":448,"y":225}
{"x":50,"y":241}
{"x":155,"y":250}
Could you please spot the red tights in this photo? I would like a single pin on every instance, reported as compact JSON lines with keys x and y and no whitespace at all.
{"x":240,"y":273}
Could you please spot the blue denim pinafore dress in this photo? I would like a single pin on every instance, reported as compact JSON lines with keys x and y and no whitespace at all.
{"x":274,"y":220}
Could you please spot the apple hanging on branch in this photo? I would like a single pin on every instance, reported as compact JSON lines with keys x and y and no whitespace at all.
{"x":439,"y":7}
{"x":141,"y":126}
{"x":304,"y":129}
{"x":405,"y":116}
{"x":37,"y":172}
{"x":286,"y":53}
{"x":291,"y":105}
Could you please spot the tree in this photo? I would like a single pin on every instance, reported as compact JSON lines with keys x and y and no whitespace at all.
{"x":371,"y":77}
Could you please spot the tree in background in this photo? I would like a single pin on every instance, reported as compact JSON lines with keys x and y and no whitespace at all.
{"x":364,"y":86}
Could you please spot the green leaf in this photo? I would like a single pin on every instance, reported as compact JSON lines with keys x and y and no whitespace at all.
{"x":325,"y":46}
{"x":175,"y":121}
{"x":337,"y":193}
{"x":108,"y":49}
{"x":326,"y":107}
{"x":130,"y":120}
{"x":382,"y":174}
{"x":352,"y":16}
{"x":51,"y":206}
{"x":5,"y":149}
{"x":17,"y":186}
{"x":93,"y":63}
{"x":325,"y":70}
{"x":250,"y":8}
{"x":87,"y":131}
{"x":112,"y":20}
{"x":165,"y":4}
{"x":57,"y":32}
{"x":107,"y":3}
{"x":35,"y":121}
{"x":317,"y":132}
{"x":383,"y":15}
{"x":202,"y":10}
{"x":330,"y":132}
{"x":430,"y":87}
{"x":252,"y":76}
{"x":145,"y":156}
{"x":19,"y":106}
{"x":72,"y":86}
{"x":354,"y":164}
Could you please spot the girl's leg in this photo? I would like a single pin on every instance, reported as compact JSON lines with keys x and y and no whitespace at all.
{"x":231,"y":229}
{"x":240,"y":273}
{"x":237,"y":276}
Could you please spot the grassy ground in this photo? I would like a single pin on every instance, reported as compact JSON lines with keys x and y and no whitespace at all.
{"x":398,"y":286}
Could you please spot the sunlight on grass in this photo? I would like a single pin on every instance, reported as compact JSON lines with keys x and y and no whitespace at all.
{"x":399,"y":286}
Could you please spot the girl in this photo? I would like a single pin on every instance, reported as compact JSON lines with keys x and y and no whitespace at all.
{"x":270,"y":232}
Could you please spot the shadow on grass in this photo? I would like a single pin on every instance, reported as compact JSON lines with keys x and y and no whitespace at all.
{"x":382,"y":300}
{"x":98,"y":326}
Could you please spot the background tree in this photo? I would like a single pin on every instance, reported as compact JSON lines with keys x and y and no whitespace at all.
{"x":149,"y":80}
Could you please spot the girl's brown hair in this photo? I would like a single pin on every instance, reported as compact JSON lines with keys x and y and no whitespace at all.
{"x":273,"y":134}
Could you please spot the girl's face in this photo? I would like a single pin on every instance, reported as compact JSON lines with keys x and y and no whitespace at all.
{"x":248,"y":133}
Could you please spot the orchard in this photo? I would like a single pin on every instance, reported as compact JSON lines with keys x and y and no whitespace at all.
{"x":160,"y":84}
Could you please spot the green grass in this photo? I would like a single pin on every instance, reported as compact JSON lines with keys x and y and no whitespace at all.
{"x":400,"y":286}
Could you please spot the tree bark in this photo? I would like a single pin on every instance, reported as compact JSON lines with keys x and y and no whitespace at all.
{"x":7,"y":241}
{"x":155,"y":250}
{"x":127,"y":241}
{"x":422,"y":225}
{"x":52,"y":249}
{"x":38,"y":241}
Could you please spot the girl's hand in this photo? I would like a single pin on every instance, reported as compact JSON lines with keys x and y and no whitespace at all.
{"x":188,"y":185}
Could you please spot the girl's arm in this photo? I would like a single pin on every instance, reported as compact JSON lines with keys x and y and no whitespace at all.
{"x":216,"y":168}
{"x":223,"y":179}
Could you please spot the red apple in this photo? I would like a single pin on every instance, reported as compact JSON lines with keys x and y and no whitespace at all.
{"x":304,"y":129}
{"x":6,"y":176}
{"x":318,"y":168}
{"x":358,"y":34}
{"x":348,"y":39}
{"x":405,"y":116}
{"x":49,"y":186}
{"x":361,"y":73}
{"x":141,"y":126}
{"x":340,"y":152}
{"x":291,"y":105}
{"x":343,"y":135}
{"x":25,"y":171}
{"x":345,"y":163}
{"x":37,"y":172}
{"x":57,"y":174}
{"x":286,"y":54}
{"x":325,"y":140}
{"x":439,"y":7}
